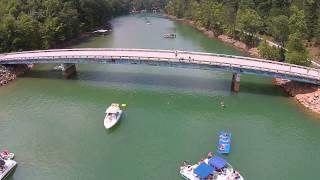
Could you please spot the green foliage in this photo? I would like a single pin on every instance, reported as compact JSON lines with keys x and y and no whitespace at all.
{"x":249,"y":23}
{"x":279,"y":28}
{"x":297,"y":53}
{"x":269,"y":52}
{"x":245,"y":18}
{"x":35,"y":24}
{"x":296,"y":21}
{"x":311,"y":17}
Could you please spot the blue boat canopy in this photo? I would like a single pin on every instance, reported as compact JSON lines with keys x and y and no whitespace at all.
{"x":217,"y":162}
{"x":203,"y":170}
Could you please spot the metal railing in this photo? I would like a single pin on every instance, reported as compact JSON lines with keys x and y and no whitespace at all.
{"x":6,"y":57}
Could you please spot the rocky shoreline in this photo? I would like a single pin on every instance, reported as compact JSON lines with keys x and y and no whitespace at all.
{"x":9,"y":73}
{"x":306,"y":94}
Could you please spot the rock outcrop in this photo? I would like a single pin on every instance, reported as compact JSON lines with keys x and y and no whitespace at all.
{"x":10,"y":73}
{"x":306,"y":94}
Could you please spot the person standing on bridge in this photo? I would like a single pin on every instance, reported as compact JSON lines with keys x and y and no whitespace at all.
{"x":176,"y":53}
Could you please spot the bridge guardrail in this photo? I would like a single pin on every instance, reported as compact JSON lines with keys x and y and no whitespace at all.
{"x":166,"y":51}
{"x":231,"y":65}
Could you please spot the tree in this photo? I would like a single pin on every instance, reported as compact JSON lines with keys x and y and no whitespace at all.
{"x":268,"y":52}
{"x":296,"y":21}
{"x":249,"y":23}
{"x":311,"y":17}
{"x":279,"y":28}
{"x":246,"y":4}
{"x":297,"y":53}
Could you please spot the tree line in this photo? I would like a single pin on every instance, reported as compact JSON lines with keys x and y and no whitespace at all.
{"x":291,"y":23}
{"x":41,"y":24}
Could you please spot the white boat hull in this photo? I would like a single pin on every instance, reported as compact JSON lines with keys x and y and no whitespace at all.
{"x":187,"y":172}
{"x":110,"y":122}
{"x":8,"y":167}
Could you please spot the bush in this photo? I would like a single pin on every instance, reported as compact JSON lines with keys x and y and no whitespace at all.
{"x":269,"y":52}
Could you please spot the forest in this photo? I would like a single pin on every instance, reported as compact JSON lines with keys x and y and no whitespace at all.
{"x":43,"y":24}
{"x":293,"y":24}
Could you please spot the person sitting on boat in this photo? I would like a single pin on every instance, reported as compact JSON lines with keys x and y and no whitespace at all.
{"x":185,"y":163}
{"x":210,"y":177}
{"x":222,"y":147}
{"x":201,"y":161}
{"x":4,"y":154}
{"x":225,"y":134}
{"x":236,"y":175}
{"x":210,"y":154}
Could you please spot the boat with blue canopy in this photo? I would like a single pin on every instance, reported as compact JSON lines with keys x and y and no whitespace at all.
{"x":215,"y":168}
{"x":224,"y":145}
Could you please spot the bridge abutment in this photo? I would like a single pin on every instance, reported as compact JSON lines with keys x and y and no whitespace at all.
{"x":68,"y":70}
{"x":235,"y":84}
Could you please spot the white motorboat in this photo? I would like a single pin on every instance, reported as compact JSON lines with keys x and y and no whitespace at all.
{"x":214,"y":168}
{"x":6,"y":167}
{"x":113,"y":114}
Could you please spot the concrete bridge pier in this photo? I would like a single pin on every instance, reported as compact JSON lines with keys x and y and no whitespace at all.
{"x":68,"y":70}
{"x":235,"y":85}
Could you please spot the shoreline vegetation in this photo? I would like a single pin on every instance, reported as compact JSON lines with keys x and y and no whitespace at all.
{"x":306,"y":94}
{"x":31,"y":25}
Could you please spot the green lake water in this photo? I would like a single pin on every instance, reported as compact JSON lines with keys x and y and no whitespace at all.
{"x":55,"y":126}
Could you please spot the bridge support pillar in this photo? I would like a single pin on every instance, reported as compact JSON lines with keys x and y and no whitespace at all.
{"x":235,"y":85}
{"x":68,"y":70}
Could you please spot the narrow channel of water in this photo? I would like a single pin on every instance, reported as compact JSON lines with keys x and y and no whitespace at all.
{"x":55,"y":126}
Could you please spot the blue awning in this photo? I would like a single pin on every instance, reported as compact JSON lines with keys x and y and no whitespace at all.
{"x":203,"y":170}
{"x":217,"y":162}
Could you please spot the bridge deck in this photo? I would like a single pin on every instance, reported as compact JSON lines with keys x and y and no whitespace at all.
{"x":234,"y":63}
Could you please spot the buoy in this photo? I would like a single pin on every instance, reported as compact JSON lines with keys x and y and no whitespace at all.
{"x":123,"y":105}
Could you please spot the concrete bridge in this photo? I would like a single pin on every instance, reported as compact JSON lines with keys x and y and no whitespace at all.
{"x":181,"y":59}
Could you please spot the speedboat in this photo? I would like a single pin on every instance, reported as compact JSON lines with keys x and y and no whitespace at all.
{"x":224,"y":145}
{"x":6,"y":167}
{"x":113,"y":114}
{"x":169,"y":35}
{"x":214,"y":168}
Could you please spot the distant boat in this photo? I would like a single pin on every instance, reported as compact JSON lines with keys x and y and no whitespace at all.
{"x":58,"y":68}
{"x":113,"y":114}
{"x":224,"y":145}
{"x":148,"y":22}
{"x":101,"y":32}
{"x":169,"y":35}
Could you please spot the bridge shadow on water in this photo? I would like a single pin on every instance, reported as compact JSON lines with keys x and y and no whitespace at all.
{"x":180,"y":82}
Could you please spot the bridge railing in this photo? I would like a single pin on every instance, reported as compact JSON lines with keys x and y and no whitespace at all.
{"x":187,"y":53}
{"x":186,"y":61}
{"x":165,"y":51}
